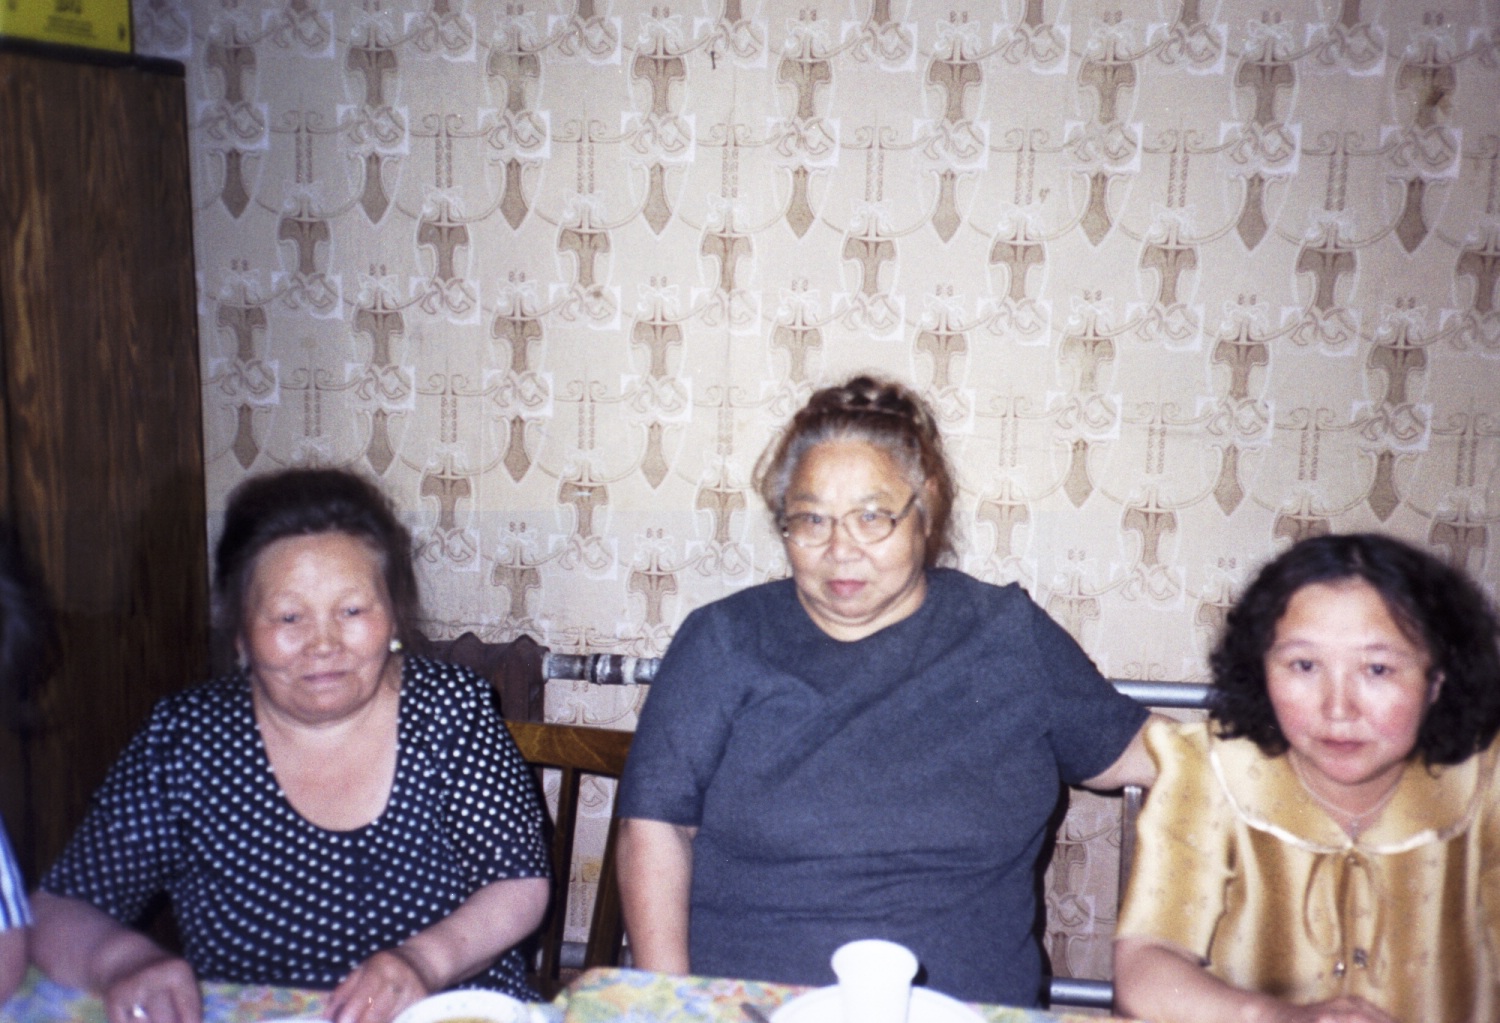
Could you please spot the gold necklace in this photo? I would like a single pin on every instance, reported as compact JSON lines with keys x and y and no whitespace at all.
{"x":1353,"y":824}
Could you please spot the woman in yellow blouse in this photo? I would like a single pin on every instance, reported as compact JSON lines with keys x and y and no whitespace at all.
{"x":1327,"y":846}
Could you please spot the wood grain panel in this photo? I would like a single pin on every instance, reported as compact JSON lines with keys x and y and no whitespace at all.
{"x":103,"y":457}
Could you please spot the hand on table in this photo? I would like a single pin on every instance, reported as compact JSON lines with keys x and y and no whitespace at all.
{"x":377,"y":990}
{"x":162,"y":990}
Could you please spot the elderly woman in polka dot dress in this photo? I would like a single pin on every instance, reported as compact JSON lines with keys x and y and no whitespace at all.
{"x":334,"y":814}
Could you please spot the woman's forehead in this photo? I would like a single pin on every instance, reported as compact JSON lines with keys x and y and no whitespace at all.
{"x":847,"y":469}
{"x":313,"y":555}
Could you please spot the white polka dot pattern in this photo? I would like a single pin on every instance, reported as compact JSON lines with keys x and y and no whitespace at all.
{"x":263,"y":896}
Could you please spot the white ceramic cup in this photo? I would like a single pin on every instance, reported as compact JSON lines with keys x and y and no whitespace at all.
{"x":874,"y":980}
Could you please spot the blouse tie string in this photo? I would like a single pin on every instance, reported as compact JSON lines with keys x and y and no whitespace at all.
{"x":1345,"y":888}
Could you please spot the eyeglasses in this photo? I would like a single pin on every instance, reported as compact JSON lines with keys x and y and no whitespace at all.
{"x":864,"y":525}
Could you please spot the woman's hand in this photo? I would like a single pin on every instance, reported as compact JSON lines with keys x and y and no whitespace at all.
{"x":81,"y":946}
{"x":1161,"y":982}
{"x":460,"y":945}
{"x":377,"y":990}
{"x":160,"y":990}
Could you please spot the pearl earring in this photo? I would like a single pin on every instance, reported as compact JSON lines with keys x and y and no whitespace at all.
{"x":396,"y":645}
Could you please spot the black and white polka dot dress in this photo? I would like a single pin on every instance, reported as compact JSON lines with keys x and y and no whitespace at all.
{"x":263,"y":896}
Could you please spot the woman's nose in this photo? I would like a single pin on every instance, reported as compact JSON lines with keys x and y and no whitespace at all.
{"x":1338,"y":696}
{"x":327,"y":635}
{"x":841,"y":545}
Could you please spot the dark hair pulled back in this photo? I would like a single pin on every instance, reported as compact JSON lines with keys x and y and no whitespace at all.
{"x":877,"y":411}
{"x":307,"y":502}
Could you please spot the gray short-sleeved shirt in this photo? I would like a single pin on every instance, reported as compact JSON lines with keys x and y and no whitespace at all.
{"x":898,"y":786}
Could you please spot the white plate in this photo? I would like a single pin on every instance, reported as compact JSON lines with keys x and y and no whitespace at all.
{"x":824,"y":1006}
{"x":467,"y":1005}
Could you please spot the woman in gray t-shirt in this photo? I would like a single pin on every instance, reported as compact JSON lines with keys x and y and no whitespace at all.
{"x":871,"y":748}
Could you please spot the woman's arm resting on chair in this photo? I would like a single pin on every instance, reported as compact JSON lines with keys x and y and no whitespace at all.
{"x":656,"y":870}
{"x":1156,"y":981}
{"x":1132,"y":767}
{"x":84,"y":947}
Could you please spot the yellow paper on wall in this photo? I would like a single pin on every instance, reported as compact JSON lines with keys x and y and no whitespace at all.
{"x":95,"y":24}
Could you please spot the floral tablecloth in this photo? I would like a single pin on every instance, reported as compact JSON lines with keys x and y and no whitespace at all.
{"x":42,"y":1001}
{"x":599,"y":996}
{"x":631,"y":996}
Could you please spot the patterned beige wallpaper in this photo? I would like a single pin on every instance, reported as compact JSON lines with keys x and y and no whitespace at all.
{"x":1186,"y":281}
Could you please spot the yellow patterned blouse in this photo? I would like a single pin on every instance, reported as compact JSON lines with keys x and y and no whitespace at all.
{"x":1238,"y":866}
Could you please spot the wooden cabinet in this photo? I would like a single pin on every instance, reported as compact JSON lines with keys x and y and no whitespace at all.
{"x":101,"y":451}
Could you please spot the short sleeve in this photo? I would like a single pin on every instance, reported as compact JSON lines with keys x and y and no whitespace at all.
{"x":1181,"y":870}
{"x":1090,"y":723}
{"x":492,"y":811}
{"x":122,"y":855}
{"x":683,"y":728}
{"x":15,"y":911}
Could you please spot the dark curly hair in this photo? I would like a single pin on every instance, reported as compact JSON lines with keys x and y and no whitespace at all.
{"x":1433,"y":604}
{"x":307,"y":502}
{"x":881,"y":412}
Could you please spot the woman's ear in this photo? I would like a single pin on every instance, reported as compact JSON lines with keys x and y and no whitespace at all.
{"x":1434,"y":687}
{"x":929,"y":497}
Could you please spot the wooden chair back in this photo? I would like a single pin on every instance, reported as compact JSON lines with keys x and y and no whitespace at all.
{"x":517,"y":673}
{"x":575,"y":751}
{"x":515,"y":669}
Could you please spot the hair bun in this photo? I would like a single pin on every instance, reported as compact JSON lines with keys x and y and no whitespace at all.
{"x":868,"y":394}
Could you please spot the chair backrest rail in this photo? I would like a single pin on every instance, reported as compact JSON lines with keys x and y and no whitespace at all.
{"x":1169,"y":695}
{"x":622,"y":670}
{"x":1089,"y":994}
{"x":601,"y":669}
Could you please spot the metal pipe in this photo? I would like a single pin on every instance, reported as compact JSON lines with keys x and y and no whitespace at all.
{"x":1176,"y":695}
{"x":1090,"y":994}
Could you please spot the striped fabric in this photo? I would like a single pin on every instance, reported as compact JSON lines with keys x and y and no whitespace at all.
{"x":14,"y":910}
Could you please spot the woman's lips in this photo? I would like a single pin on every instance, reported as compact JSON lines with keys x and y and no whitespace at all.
{"x":845,"y":588}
